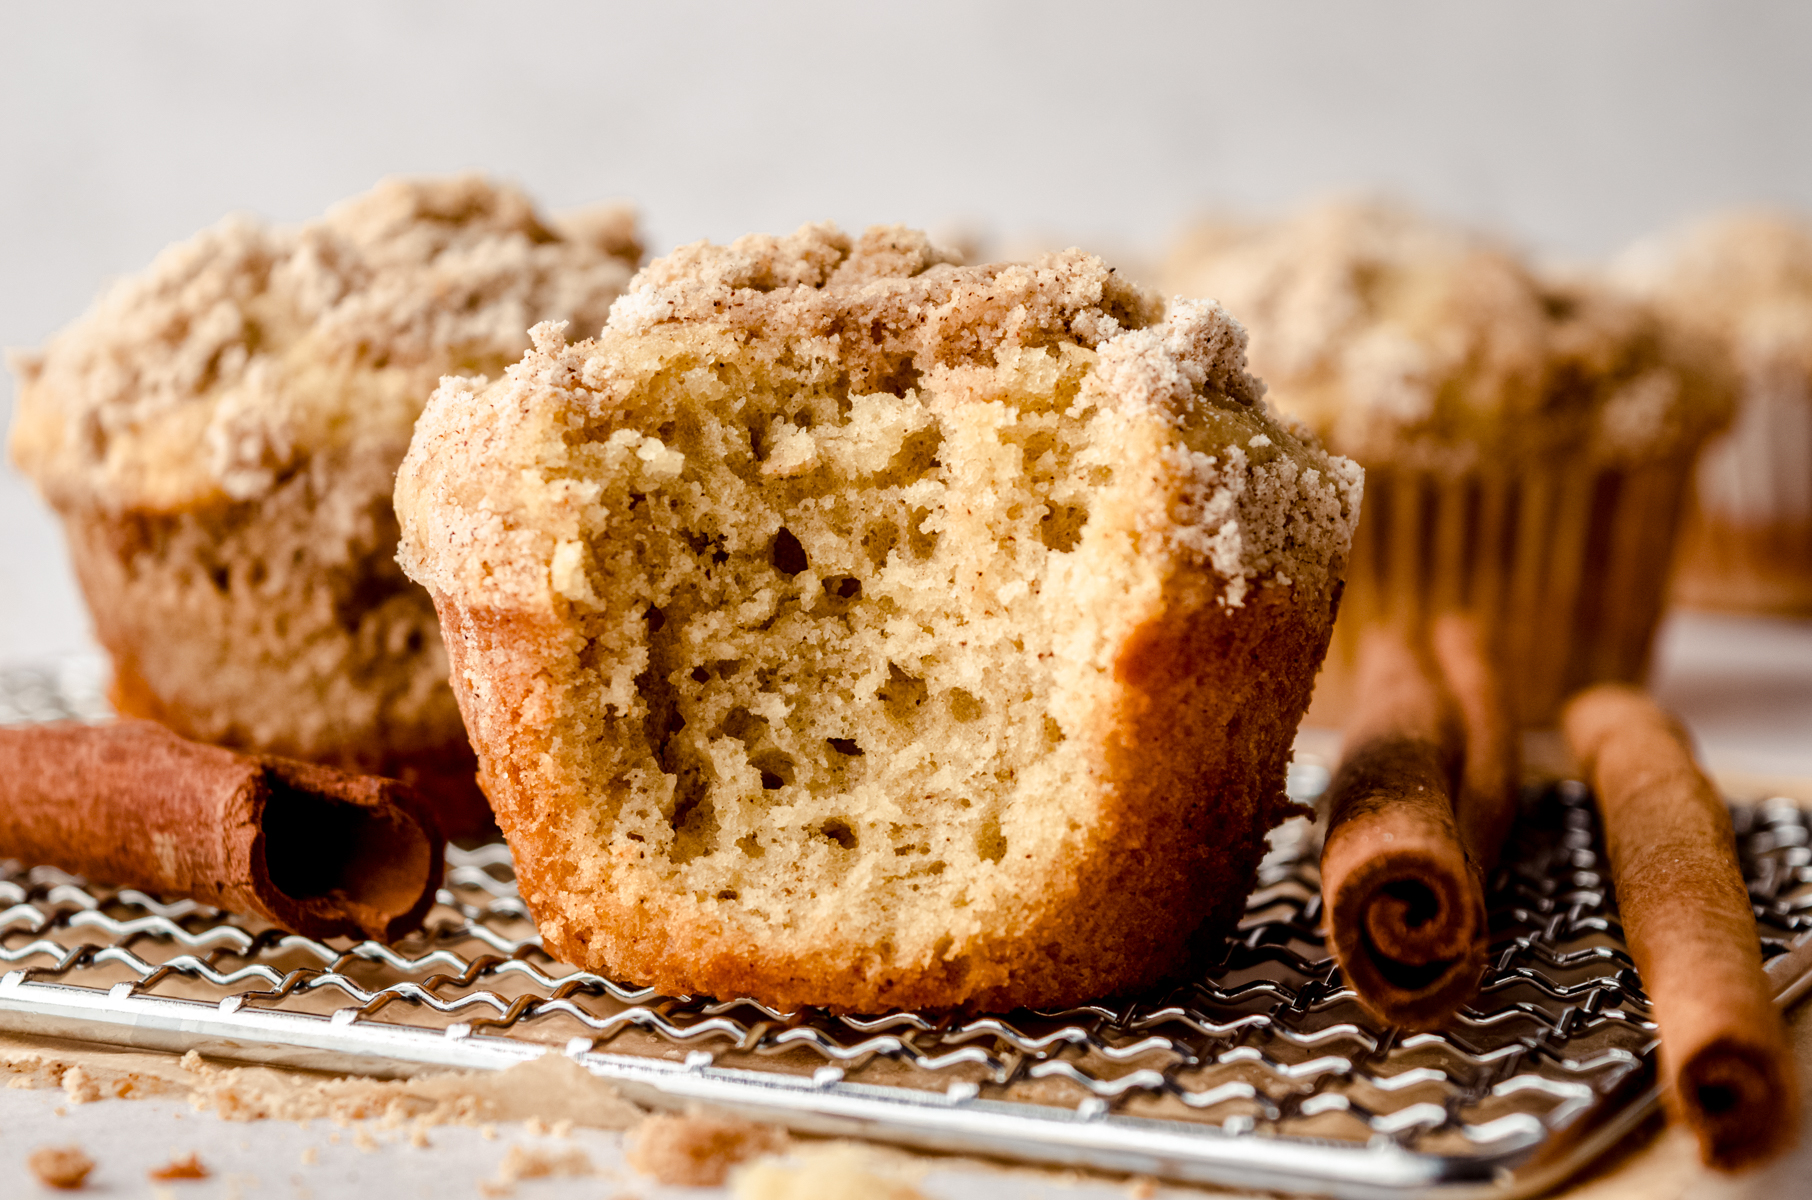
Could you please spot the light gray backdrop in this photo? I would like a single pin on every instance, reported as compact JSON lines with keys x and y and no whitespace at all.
{"x":1574,"y":125}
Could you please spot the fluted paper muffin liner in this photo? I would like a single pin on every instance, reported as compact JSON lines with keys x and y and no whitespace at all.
{"x":1747,"y":541}
{"x":1566,"y":563}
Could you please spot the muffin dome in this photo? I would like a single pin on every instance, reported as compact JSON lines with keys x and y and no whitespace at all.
{"x":1405,"y":340}
{"x":1743,"y":280}
{"x":221,"y":433}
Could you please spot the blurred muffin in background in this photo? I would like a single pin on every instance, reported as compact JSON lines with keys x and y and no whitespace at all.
{"x":1744,"y":280}
{"x":1526,"y":440}
{"x":220,"y":435}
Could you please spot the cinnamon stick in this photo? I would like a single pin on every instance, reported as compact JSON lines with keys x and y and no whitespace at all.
{"x":1725,"y":1062}
{"x":1491,"y":773}
{"x":310,"y":849}
{"x":1403,"y":902}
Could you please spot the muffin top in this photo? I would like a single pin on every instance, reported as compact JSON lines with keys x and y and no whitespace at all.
{"x":238,"y":354}
{"x":888,"y":330}
{"x":1742,"y":278}
{"x":1405,"y":341}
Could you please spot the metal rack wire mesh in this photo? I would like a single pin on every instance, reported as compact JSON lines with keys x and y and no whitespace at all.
{"x":1264,"y":1072}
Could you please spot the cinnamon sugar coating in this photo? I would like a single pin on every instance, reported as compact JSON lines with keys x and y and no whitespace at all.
{"x":846,"y":626}
{"x":1407,"y":341}
{"x":1741,"y":277}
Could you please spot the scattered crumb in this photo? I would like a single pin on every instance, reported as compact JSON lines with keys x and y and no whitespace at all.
{"x":181,"y":1168}
{"x":562,"y":1128}
{"x":418,"y":1135}
{"x":488,"y":1132}
{"x":526,"y":1162}
{"x":534,"y":1127}
{"x":59,"y":1111}
{"x":64,"y":1167}
{"x":364,"y":1141}
{"x":1141,"y":1187}
{"x":84,"y":1086}
{"x":80,"y":1086}
{"x":489,"y":1188}
{"x":550,"y":1088}
{"x":310,"y":1155}
{"x":696,"y":1150}
{"x":841,"y":1172}
{"x":88,"y":1074}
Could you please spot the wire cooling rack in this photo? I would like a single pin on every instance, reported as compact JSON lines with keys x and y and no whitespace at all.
{"x":1263,"y":1074}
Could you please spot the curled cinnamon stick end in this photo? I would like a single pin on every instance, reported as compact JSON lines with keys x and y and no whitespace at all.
{"x":310,"y":849}
{"x":1404,"y":906}
{"x":1725,"y":1061}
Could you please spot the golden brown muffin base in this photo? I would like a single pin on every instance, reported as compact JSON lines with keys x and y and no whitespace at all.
{"x":1172,"y":858}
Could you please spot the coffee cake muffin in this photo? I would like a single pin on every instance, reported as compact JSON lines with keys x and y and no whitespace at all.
{"x":220,"y":435}
{"x":1526,"y":440}
{"x":844,"y":626}
{"x":1744,"y":280}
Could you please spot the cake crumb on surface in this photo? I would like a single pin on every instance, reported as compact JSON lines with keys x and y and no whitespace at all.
{"x":190,"y":1167}
{"x":841,"y":1172}
{"x":80,"y":1087}
{"x":551,"y":1087}
{"x":63,"y":1167}
{"x":90,"y":1072}
{"x":534,"y":1162}
{"x":698,"y":1149}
